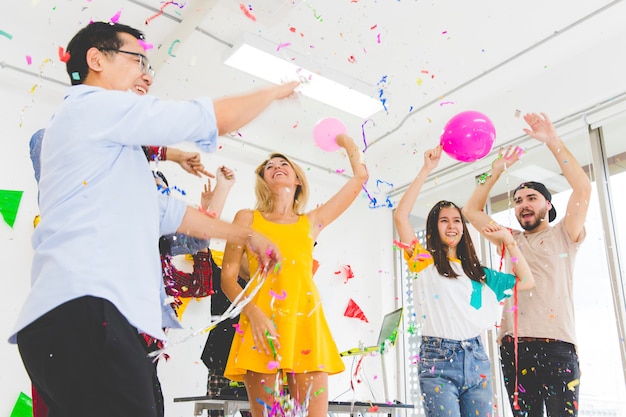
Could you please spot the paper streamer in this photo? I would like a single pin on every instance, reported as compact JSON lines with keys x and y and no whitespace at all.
{"x":231,"y":312}
{"x":9,"y":204}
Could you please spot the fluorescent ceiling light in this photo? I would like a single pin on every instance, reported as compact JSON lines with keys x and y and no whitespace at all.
{"x":259,"y":63}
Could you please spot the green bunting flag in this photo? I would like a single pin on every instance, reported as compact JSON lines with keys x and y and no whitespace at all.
{"x":23,"y":406}
{"x":9,"y":203}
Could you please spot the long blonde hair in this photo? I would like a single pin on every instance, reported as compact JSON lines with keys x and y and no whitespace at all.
{"x":264,"y":198}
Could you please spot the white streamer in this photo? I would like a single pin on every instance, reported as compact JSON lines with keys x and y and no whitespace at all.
{"x":231,"y":312}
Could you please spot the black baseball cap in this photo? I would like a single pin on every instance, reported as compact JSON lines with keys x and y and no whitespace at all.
{"x":543,"y":191}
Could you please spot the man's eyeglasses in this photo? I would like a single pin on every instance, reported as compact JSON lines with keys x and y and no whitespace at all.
{"x":144,"y":63}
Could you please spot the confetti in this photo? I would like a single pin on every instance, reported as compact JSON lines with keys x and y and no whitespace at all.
{"x":32,"y":90}
{"x":246,"y":12}
{"x":63,"y":56}
{"x":363,"y":133}
{"x":279,"y":296}
{"x":160,"y":12}
{"x":145,"y":45}
{"x":171,"y":48}
{"x":401,"y":245}
{"x":29,"y":60}
{"x":381,"y":91}
{"x":183,"y":192}
{"x":116,"y":17}
{"x":6,"y":35}
{"x":346,"y":273}
{"x":317,"y":16}
{"x":282,"y":45}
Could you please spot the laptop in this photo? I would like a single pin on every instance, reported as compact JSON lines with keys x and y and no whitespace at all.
{"x":391,"y":322}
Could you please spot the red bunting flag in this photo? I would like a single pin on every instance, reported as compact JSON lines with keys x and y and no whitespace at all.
{"x":354,"y":311}
{"x":346,"y":273}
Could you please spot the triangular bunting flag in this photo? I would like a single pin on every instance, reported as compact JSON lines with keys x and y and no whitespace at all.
{"x":353,"y":310}
{"x":9,"y":203}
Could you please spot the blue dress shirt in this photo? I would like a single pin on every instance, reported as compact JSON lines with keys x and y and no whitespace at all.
{"x":101,"y":214}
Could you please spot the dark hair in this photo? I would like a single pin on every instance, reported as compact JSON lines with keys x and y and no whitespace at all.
{"x":99,"y":35}
{"x":161,"y":175}
{"x":465,"y":249}
{"x":165,"y":246}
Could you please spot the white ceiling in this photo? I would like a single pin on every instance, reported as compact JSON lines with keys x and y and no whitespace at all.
{"x":429,"y":59}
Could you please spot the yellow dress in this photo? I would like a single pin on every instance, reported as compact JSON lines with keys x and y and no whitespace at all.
{"x":291,"y":300}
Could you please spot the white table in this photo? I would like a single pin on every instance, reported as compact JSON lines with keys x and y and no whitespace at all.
{"x":231,"y":405}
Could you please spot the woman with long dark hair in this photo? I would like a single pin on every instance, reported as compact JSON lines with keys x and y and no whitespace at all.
{"x":456,"y":299}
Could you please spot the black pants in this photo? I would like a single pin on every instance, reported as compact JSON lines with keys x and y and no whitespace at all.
{"x":548,"y":375}
{"x":85,"y":359}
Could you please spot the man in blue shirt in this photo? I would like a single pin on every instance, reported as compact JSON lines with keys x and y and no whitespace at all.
{"x":96,"y":274}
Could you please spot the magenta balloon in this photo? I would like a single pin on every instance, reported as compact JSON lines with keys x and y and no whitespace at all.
{"x":325,"y":132}
{"x":468,"y":136}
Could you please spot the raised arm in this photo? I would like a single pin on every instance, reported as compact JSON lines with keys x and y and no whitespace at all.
{"x":473,"y":209}
{"x":235,"y":112}
{"x":329,"y":211}
{"x":213,"y":200}
{"x":541,"y":128}
{"x":401,"y":215}
{"x":231,"y":264}
{"x":501,"y":236}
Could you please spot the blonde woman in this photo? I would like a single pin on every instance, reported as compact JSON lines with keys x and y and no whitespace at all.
{"x":283,"y":328}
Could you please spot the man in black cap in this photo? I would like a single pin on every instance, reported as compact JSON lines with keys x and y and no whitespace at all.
{"x":538,"y":337}
{"x":526,"y":221}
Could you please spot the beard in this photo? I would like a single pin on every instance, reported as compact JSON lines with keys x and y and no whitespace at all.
{"x":531,"y":225}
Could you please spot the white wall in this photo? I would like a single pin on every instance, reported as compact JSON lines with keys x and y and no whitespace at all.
{"x":361,"y":238}
{"x":16,"y":173}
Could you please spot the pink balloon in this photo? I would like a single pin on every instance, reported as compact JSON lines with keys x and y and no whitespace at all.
{"x":468,"y":136}
{"x":325,"y":132}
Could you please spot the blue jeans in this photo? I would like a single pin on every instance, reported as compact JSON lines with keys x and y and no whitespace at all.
{"x":548,"y":375}
{"x":455,"y":377}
